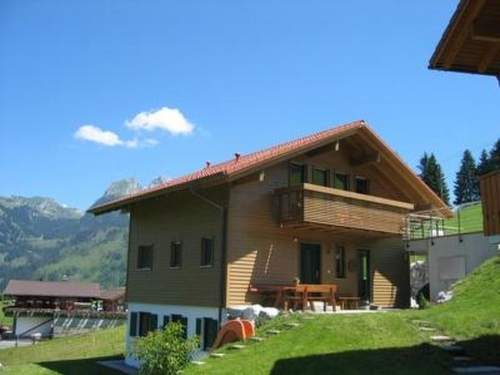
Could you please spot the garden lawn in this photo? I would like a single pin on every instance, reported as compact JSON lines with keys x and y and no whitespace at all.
{"x":379,"y":343}
{"x":65,"y":355}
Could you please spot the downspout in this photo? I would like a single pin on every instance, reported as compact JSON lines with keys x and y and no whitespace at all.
{"x":223,"y":273}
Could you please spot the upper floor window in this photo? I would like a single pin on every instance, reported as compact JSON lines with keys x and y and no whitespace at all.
{"x":340,"y":262}
{"x":320,"y":177}
{"x":175,"y":254}
{"x":297,"y":173}
{"x":341,"y":181}
{"x":207,"y":252}
{"x":145,"y":257}
{"x":362,"y":185}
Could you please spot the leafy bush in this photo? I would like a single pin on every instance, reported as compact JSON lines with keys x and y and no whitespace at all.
{"x":164,"y":352}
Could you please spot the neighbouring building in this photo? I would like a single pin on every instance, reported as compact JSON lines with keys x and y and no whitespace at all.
{"x":326,"y":208}
{"x":54,"y":308}
{"x":471,"y":42}
{"x":490,"y":198}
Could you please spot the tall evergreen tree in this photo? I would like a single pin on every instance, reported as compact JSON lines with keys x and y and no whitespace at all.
{"x":432,"y":174}
{"x":466,"y":182}
{"x":483,"y":164}
{"x":494,"y":158}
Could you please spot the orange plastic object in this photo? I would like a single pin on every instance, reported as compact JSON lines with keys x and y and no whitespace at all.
{"x":234,"y":330}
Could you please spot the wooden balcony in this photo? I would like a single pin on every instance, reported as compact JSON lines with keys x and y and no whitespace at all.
{"x":312,"y":205}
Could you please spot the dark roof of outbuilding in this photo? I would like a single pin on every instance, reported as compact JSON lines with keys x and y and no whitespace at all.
{"x":52,"y":289}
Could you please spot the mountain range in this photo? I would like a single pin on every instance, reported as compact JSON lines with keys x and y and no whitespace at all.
{"x":41,"y":239}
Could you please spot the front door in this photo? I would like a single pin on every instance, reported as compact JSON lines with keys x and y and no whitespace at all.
{"x":310,"y":263}
{"x":364,"y":282}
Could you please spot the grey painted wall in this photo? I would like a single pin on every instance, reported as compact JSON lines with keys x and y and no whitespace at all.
{"x":450,"y":259}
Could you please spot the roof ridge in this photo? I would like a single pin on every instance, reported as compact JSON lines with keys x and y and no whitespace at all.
{"x":243,"y":161}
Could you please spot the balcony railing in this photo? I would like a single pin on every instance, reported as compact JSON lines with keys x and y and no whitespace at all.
{"x":318,"y":205}
{"x":429,"y":224}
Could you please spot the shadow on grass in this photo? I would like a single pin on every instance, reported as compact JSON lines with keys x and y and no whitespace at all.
{"x":81,"y":366}
{"x":484,"y":348}
{"x":422,"y":359}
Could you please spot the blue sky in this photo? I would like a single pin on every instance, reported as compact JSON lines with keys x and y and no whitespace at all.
{"x":241,"y":75}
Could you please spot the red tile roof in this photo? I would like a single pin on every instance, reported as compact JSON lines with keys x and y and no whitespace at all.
{"x":52,"y":289}
{"x":236,"y":165}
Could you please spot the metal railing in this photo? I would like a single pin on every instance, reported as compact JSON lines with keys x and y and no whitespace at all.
{"x":467,"y":218}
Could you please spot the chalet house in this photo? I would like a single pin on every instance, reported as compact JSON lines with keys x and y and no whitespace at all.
{"x":326,"y":208}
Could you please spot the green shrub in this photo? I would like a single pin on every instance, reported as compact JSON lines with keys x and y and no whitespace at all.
{"x":164,"y":352}
{"x":423,"y":303}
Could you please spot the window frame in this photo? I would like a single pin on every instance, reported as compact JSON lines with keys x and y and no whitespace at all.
{"x":147,"y":268}
{"x":326,"y":172}
{"x":178,"y":259}
{"x":340,"y":260}
{"x":367,"y":184}
{"x":347,"y":180}
{"x":297,"y":165}
{"x":210,"y":264}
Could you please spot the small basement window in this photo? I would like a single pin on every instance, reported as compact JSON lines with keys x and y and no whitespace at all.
{"x":145,"y":257}
{"x":207,"y":252}
{"x":176,"y":254}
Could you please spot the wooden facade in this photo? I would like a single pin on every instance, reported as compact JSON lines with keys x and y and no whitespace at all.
{"x":178,"y":217}
{"x":353,"y":193}
{"x":490,"y":198}
{"x":471,"y":42}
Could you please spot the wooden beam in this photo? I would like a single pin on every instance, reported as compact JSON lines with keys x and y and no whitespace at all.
{"x":456,"y":43}
{"x":488,"y":58}
{"x":486,"y":29}
{"x":367,"y":159}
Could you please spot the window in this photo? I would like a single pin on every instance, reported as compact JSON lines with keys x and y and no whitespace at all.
{"x":341,"y":181}
{"x":207,"y":252}
{"x":175,"y":255}
{"x":297,"y":174}
{"x":206,"y":329}
{"x":361,"y":185}
{"x":320,"y":177}
{"x":340,"y":262}
{"x":145,"y":257}
{"x":183,"y":320}
{"x":142,"y":323}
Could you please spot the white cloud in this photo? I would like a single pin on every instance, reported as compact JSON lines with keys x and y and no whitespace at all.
{"x":95,"y":134}
{"x":168,"y":119}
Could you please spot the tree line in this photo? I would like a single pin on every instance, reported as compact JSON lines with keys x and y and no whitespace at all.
{"x":466,"y":186}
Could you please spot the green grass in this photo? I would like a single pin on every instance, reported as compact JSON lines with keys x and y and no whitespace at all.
{"x":4,"y":320}
{"x":471,"y":220}
{"x":473,"y":315}
{"x":357,"y":344}
{"x":67,"y":355}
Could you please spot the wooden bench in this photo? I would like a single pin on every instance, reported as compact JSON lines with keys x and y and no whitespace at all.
{"x":305,"y":294}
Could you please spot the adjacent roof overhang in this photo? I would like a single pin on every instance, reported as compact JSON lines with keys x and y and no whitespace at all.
{"x":471,"y":42}
{"x":248,"y":164}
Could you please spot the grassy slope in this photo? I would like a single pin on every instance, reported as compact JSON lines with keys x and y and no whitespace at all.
{"x":70,"y":355}
{"x":474,"y":311}
{"x":374,"y":343}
